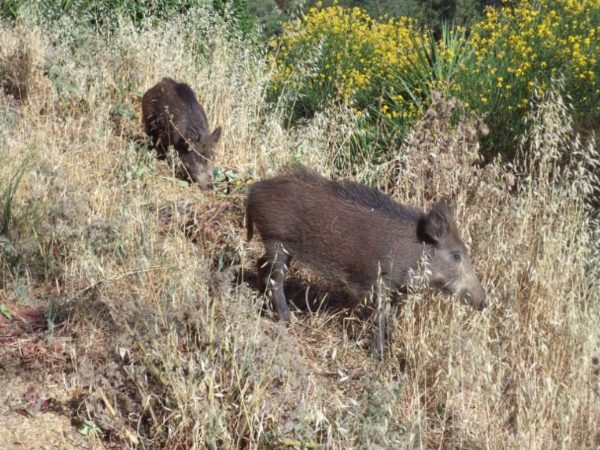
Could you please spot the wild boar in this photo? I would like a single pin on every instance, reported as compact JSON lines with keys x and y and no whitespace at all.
{"x":357,"y":236}
{"x":172,"y":116}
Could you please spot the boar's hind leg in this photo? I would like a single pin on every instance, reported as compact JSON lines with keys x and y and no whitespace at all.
{"x":379,"y":314}
{"x":272,"y":269}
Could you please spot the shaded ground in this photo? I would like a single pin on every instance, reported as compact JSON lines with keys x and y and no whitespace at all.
{"x":33,"y":392}
{"x":31,"y":415}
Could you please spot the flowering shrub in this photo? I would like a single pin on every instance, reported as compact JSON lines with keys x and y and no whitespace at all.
{"x":386,"y":71}
{"x":343,"y":53}
{"x":518,"y":50}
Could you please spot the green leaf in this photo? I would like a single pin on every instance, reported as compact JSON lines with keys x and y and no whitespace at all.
{"x":89,"y":428}
{"x":6,"y":312}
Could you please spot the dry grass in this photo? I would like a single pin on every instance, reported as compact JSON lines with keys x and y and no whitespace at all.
{"x":166,"y":350}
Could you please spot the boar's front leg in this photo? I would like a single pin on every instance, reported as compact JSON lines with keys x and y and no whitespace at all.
{"x":380,"y":312}
{"x":272,"y":270}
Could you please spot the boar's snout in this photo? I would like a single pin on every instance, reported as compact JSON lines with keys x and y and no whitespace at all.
{"x":204,"y":179}
{"x":468,"y":288}
{"x":471,"y":292}
{"x":197,"y":168}
{"x":451,"y":272}
{"x":199,"y":158}
{"x":474,"y":296}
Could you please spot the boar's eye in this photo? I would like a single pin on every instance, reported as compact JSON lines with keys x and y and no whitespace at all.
{"x":457,"y":257}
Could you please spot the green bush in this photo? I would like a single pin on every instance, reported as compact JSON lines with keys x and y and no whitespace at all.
{"x":106,"y":14}
{"x":240,"y":13}
{"x":99,"y":12}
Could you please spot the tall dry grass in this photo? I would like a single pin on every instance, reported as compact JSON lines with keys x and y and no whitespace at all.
{"x":166,"y":351}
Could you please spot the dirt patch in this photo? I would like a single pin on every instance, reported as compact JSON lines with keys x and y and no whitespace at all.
{"x":32,"y":416}
{"x":33,"y":370}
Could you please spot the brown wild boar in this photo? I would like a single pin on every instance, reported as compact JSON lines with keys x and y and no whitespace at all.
{"x":172,"y":116}
{"x":355,"y":235}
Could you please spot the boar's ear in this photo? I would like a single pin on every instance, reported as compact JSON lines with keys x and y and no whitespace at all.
{"x":434,"y":226}
{"x":212,"y":139}
{"x":216,"y":135}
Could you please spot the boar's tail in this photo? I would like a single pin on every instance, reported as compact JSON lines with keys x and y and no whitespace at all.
{"x":249,"y":225}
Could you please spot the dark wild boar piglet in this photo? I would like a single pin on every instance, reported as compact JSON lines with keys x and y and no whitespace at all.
{"x":172,"y":116}
{"x":355,"y":235}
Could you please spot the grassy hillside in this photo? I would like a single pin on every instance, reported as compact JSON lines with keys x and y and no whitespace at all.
{"x":147,"y":338}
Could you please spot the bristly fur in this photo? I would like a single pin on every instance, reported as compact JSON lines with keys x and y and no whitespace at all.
{"x":358,"y":193}
{"x":187,"y":94}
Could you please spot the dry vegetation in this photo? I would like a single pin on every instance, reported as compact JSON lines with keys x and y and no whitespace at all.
{"x":159,"y":346}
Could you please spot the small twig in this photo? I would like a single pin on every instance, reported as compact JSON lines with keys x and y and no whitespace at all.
{"x":114,"y":278}
{"x":141,"y":391}
{"x":350,"y":375}
{"x":297,"y":443}
{"x":214,"y":216}
{"x":108,"y":405}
